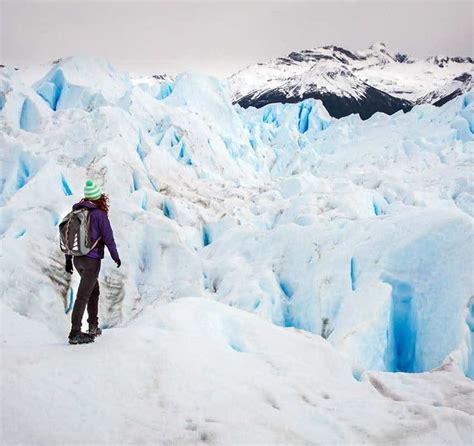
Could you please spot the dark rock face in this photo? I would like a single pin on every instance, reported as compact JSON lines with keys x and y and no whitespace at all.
{"x":465,"y":77}
{"x":448,"y":98}
{"x":337,"y":106}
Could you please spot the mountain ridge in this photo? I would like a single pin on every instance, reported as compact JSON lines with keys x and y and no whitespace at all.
{"x":363,"y":82}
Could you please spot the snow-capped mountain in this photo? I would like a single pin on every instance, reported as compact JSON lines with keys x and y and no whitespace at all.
{"x":287,"y":277}
{"x":459,"y":85}
{"x":348,"y":82}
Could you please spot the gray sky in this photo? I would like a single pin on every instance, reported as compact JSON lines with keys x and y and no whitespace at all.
{"x":221,"y":37}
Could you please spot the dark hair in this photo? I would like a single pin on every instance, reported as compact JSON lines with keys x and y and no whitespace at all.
{"x":102,"y":202}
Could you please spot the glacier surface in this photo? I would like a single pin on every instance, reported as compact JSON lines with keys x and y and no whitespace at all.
{"x":348,"y":243}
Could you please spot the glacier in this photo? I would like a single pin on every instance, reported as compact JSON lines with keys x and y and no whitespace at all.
{"x":298,"y":273}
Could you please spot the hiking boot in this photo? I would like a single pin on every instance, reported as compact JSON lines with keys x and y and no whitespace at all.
{"x":81,"y":338}
{"x":94,"y":330}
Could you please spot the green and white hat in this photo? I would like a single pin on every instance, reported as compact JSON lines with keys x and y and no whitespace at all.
{"x":92,"y":191}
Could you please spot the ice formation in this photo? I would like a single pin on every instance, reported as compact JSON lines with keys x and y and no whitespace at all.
{"x":358,"y":232}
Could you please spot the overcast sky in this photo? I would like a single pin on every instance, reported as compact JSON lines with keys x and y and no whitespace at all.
{"x":221,"y":37}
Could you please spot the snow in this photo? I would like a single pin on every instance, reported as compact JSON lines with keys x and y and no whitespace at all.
{"x":197,"y":371}
{"x":306,"y":277}
{"x":335,"y":70}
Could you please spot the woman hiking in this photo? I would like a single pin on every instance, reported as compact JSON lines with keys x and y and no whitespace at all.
{"x":88,"y":265}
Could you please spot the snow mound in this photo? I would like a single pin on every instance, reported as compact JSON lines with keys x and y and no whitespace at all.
{"x":197,"y":371}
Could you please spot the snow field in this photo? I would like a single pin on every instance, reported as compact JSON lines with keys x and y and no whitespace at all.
{"x":197,"y":371}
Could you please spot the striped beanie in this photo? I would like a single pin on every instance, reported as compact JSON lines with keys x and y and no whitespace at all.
{"x":92,"y":191}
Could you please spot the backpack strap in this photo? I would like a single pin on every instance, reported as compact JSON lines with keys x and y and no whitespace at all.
{"x":95,"y":243}
{"x":89,"y":213}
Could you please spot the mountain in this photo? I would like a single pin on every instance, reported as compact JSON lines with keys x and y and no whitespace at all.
{"x":347,"y":82}
{"x":459,"y":85}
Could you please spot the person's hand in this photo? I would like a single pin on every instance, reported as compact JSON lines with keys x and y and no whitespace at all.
{"x":118,"y":263}
{"x":69,"y":268}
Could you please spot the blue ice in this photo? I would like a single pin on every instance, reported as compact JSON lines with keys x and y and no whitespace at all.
{"x":206,"y":236}
{"x":20,"y":233}
{"x":270,"y":117}
{"x":145,"y":257}
{"x":376,"y":208}
{"x":145,"y":201}
{"x":168,"y":209}
{"x":470,"y":324}
{"x":29,"y":116}
{"x":286,"y":288}
{"x":236,"y":347}
{"x":175,"y":138}
{"x":136,"y":182}
{"x":166,"y":88}
{"x":51,"y":91}
{"x":353,"y":274}
{"x":23,"y":173}
{"x":400,"y":355}
{"x":303,"y":117}
{"x":253,"y":143}
{"x":140,"y":151}
{"x":66,"y":188}
{"x":288,"y":319}
{"x":70,"y":300}
{"x":160,"y":137}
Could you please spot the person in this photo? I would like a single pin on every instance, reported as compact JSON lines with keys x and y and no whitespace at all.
{"x":88,"y":266}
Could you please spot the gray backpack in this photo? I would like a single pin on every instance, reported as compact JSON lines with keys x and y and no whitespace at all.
{"x":74,"y":233}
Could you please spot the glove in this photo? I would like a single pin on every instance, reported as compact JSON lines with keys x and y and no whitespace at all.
{"x":118,"y":263}
{"x":69,"y":268}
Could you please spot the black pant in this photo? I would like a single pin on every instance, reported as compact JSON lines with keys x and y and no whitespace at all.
{"x":87,"y":294}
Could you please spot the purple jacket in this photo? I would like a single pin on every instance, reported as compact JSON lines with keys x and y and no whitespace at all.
{"x":100,"y":227}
